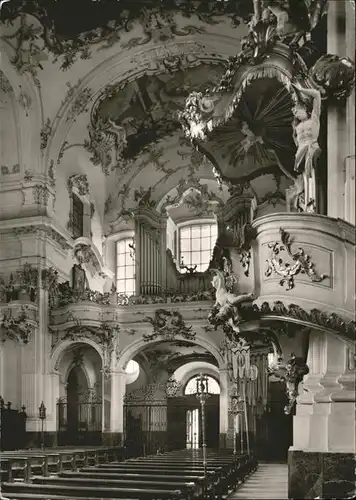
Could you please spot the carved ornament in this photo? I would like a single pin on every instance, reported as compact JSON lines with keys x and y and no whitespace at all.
{"x":43,"y":231}
{"x":336,"y":75}
{"x":20,"y":326}
{"x":157,"y":21}
{"x":80,"y":182}
{"x":21,"y":285}
{"x":45,"y":134}
{"x":165,"y":298}
{"x":105,"y":335}
{"x":292,"y":373}
{"x":169,"y":325}
{"x":15,"y":169}
{"x":302,"y":263}
{"x":329,"y":321}
{"x":146,"y":394}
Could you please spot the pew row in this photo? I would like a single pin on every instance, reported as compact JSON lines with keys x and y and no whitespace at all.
{"x":172,"y":475}
{"x":23,"y":464}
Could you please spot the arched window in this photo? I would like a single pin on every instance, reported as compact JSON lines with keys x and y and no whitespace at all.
{"x":132,"y":371}
{"x":196,"y":244}
{"x":78,"y":216}
{"x":191,"y":387}
{"x":125,"y":266}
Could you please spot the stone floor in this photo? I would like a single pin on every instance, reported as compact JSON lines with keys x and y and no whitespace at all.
{"x":269,"y":481}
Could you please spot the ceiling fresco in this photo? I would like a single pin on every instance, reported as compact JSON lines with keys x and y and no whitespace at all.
{"x":145,"y":110}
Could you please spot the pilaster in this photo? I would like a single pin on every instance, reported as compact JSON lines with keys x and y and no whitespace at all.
{"x":118,"y":389}
{"x":324,"y":425}
{"x":337,"y":118}
{"x":349,"y":161}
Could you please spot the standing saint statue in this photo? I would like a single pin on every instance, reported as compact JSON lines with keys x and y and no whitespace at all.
{"x":306,"y":128}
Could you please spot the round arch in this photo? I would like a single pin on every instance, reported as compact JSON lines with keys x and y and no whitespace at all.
{"x":63,"y":346}
{"x":135,"y":347}
{"x":184,"y":373}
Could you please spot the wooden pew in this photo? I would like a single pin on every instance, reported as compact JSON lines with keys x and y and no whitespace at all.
{"x":190,"y":490}
{"x":68,"y":492}
{"x":22,"y":465}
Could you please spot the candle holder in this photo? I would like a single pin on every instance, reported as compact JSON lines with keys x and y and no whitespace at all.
{"x":237,"y":409}
{"x":42,"y":415}
{"x":202,"y":394}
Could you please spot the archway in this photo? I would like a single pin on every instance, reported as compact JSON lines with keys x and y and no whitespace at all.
{"x":151,"y":407}
{"x":192,"y":419}
{"x":80,"y":407}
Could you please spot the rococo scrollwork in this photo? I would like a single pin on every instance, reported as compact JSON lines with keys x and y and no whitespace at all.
{"x":105,"y":335}
{"x":169,"y":325}
{"x":293,"y":312}
{"x":17,"y":324}
{"x":20,"y":285}
{"x":292,"y":372}
{"x":302,"y":263}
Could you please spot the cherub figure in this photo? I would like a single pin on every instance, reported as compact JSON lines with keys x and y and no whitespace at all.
{"x":250,"y":138}
{"x":226,"y":300}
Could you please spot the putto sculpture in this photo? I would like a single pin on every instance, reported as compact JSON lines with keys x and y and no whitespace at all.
{"x":227,"y":304}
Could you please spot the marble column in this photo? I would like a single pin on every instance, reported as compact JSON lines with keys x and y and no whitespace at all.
{"x":224,"y":408}
{"x":324,"y":424}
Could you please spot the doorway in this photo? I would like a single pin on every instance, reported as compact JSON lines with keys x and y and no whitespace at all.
{"x":79,"y":413}
{"x":193,"y":429}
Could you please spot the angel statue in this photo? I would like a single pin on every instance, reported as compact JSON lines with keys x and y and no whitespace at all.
{"x":250,"y":139}
{"x":227,"y":303}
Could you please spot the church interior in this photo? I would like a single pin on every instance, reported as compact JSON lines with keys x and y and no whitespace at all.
{"x":177,"y":249}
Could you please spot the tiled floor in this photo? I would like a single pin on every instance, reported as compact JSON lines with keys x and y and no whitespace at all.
{"x":269,"y":481}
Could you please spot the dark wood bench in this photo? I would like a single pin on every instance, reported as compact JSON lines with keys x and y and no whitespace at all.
{"x":190,"y":490}
{"x":67,"y":492}
{"x":22,"y":465}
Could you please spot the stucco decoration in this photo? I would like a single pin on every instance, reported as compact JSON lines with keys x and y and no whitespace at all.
{"x":292,"y":312}
{"x":87,"y":254}
{"x":17,"y":324}
{"x":80,"y":182}
{"x":5,"y":85}
{"x":336,"y":75}
{"x":301,"y":263}
{"x":292,"y":372}
{"x":20,"y":285}
{"x":45,"y":23}
{"x":166,"y":298}
{"x":43,"y":231}
{"x":66,"y":295}
{"x":49,"y":282}
{"x":105,"y":336}
{"x":169,"y":325}
{"x":130,"y":117}
{"x":270,"y":59}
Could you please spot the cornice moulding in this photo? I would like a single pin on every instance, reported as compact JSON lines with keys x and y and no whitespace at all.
{"x":335,"y":228}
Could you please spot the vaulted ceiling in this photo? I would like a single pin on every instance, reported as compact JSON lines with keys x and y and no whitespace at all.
{"x":108,"y":78}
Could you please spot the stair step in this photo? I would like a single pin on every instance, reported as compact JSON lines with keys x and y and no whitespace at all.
{"x":269,"y":481}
